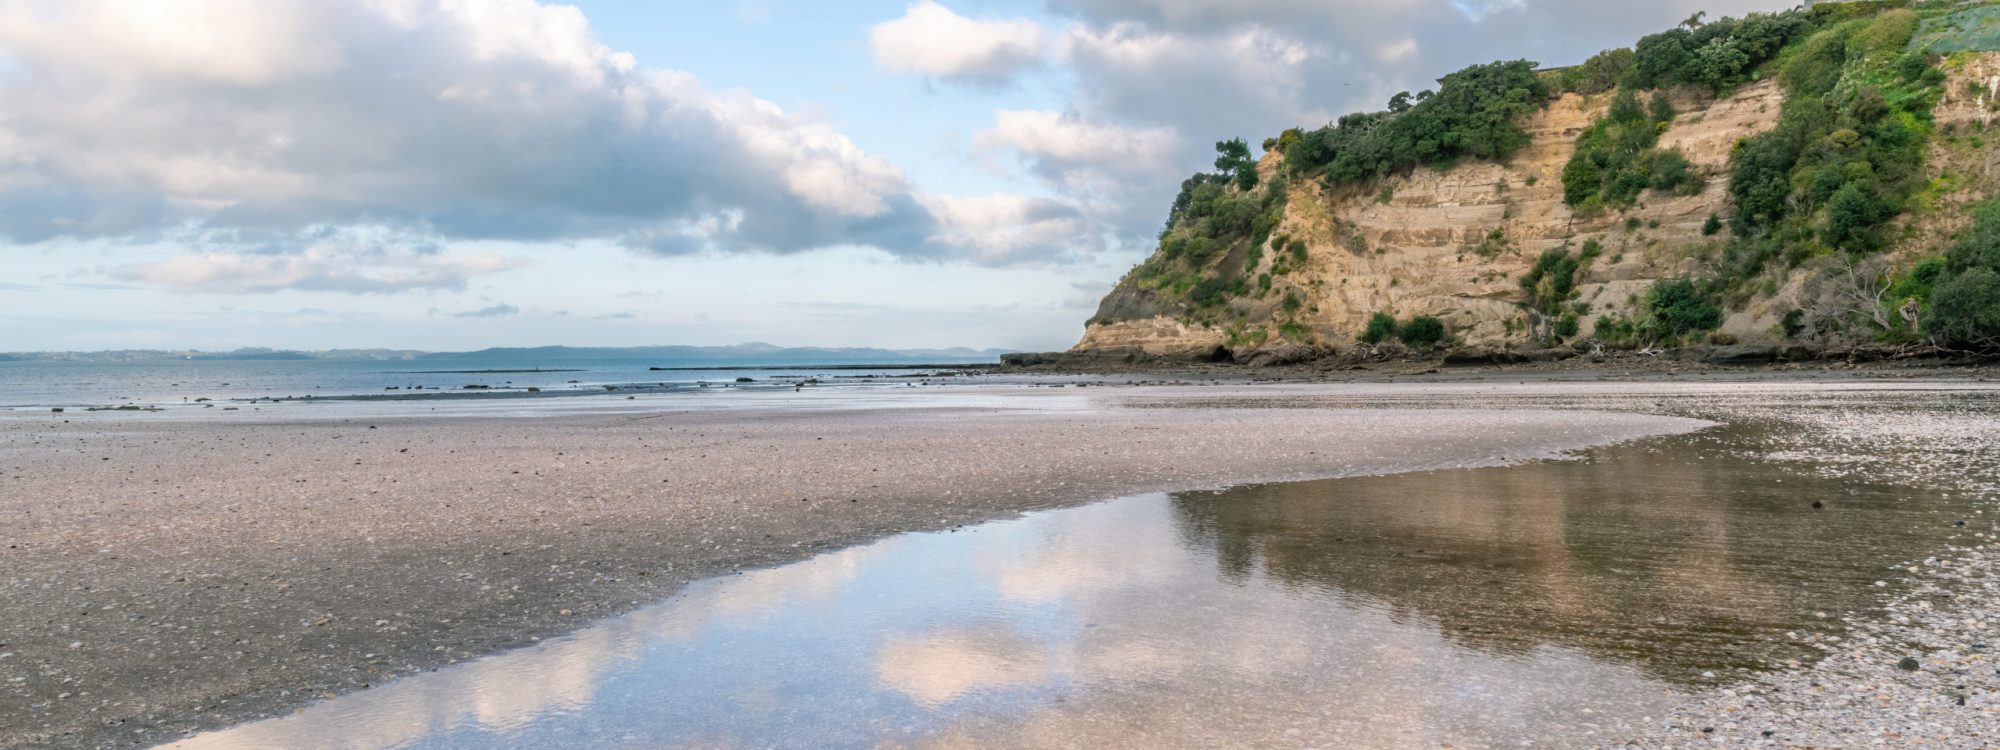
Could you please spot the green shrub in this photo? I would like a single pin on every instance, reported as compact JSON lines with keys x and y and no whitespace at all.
{"x":1566,"y":326}
{"x":1381,"y":327}
{"x":1474,"y":113}
{"x":1421,"y":331}
{"x":1711,"y":227}
{"x":1615,"y":159}
{"x":1681,"y":306}
{"x":1551,"y":281}
{"x":1793,"y":324}
{"x":1717,"y":55}
{"x":1965,"y":309}
{"x":1599,"y":74}
{"x":1672,"y":172}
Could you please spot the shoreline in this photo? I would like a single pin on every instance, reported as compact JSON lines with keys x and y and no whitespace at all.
{"x":400,"y":584}
{"x":311,"y":558}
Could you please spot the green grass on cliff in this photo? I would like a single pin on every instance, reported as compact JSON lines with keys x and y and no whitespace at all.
{"x":1971,"y":30}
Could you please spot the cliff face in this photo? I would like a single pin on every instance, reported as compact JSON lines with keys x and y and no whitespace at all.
{"x":1455,"y":243}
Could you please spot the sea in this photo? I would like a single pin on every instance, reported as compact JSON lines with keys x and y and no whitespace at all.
{"x":164,"y":382}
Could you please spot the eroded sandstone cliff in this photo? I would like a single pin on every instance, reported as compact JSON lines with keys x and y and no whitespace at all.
{"x":1455,"y":243}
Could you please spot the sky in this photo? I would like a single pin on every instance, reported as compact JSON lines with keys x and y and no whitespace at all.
{"x":458,"y":174}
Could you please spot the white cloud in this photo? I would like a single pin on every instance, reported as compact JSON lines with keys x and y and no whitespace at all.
{"x":1110,"y":170}
{"x":1001,"y":229}
{"x":253,"y":121}
{"x":331,"y":267}
{"x":1211,"y":86}
{"x":501,"y":310}
{"x":929,"y":39}
{"x":1068,"y":139}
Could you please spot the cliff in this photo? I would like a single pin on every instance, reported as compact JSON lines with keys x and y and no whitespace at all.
{"x":1456,"y":243}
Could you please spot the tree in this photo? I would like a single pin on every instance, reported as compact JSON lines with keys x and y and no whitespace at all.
{"x":1851,"y":217}
{"x":1625,"y":107}
{"x":1601,"y":72}
{"x":1233,"y":158}
{"x":1475,"y":113}
{"x":1965,"y":309}
{"x":1694,"y":21}
{"x":1662,"y":108}
{"x":1288,"y":139}
{"x":1399,"y":103}
{"x":1186,"y":198}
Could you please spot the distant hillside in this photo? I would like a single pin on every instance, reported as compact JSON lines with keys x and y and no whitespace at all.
{"x":1816,"y":178}
{"x":752,"y":354}
{"x":740,"y":354}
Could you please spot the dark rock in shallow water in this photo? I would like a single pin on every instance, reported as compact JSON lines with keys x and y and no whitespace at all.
{"x":746,"y":380}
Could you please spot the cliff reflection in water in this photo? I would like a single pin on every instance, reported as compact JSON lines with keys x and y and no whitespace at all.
{"x":1680,"y":556}
{"x":1479,"y":607}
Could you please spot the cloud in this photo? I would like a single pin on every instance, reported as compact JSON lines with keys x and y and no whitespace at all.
{"x":1108,"y":169}
{"x":929,"y":39}
{"x":1004,"y":229}
{"x":256,"y":121}
{"x":1175,"y":76}
{"x":1060,"y":140}
{"x":333,"y":267}
{"x":495,"y":311}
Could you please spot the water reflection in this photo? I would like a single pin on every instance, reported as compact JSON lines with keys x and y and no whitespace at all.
{"x":1471,"y":608}
{"x":1682,"y":556}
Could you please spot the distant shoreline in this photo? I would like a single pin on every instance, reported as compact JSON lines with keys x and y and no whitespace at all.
{"x":482,"y":372}
{"x":915,"y":366}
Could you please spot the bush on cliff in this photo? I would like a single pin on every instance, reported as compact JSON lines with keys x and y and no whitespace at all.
{"x":1615,"y":158}
{"x":1718,"y":56}
{"x":1422,"y":331}
{"x":1381,"y":327}
{"x":1475,"y":113}
{"x":1962,"y":306}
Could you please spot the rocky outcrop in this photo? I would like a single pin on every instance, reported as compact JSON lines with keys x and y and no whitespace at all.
{"x":1454,"y":243}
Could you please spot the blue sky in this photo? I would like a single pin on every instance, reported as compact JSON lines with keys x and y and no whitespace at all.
{"x":456,"y":175}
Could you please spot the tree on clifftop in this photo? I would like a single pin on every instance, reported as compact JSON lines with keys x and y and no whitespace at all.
{"x":1233,"y":158}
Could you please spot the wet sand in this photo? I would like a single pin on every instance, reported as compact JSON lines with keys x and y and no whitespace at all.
{"x":183,"y":571}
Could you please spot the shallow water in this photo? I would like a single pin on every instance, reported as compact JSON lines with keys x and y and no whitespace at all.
{"x":39,"y":385}
{"x":1474,"y":608}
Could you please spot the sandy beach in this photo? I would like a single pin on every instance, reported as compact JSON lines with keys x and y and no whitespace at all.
{"x":180,"y":571}
{"x":184,"y":571}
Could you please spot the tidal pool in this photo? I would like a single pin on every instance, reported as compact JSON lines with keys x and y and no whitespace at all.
{"x":1465,"y":608}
